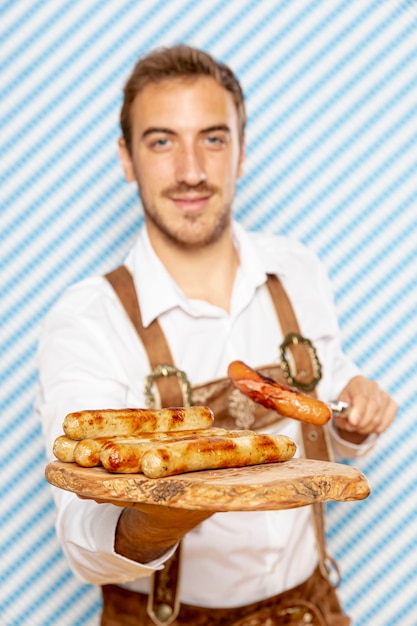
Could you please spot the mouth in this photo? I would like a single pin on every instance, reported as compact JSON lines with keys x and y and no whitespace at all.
{"x":191,"y":203}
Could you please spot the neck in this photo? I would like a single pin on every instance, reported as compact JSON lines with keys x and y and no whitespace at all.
{"x":205,"y":273}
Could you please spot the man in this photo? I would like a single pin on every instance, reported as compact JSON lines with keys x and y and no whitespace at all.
{"x":204,"y":281}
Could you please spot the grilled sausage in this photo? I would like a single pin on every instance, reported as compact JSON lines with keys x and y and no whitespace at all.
{"x":286,"y":400}
{"x":125,"y":455}
{"x":110,"y":422}
{"x":214,"y":453}
{"x":64,"y":448}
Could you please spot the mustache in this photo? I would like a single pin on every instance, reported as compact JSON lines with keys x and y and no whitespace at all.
{"x":182,"y":189}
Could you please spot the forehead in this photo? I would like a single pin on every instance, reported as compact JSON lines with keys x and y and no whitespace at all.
{"x":184,"y":103}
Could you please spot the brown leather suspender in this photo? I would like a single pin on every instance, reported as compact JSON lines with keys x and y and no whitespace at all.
{"x":215,"y":394}
{"x":152,"y":337}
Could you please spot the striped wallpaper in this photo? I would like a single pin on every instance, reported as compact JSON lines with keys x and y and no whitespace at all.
{"x":331,"y":89}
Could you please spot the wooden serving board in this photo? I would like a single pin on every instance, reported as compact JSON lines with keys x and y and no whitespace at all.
{"x":273,"y":486}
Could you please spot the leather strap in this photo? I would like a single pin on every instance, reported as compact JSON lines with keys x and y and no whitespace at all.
{"x":152,"y":337}
{"x":315,"y":438}
{"x":163,"y":603}
{"x":289,"y":325}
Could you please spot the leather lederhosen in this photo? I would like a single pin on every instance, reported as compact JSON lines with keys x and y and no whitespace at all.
{"x":231,"y":410}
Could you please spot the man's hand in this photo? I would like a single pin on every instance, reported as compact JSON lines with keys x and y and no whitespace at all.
{"x":373,"y":410}
{"x":146,"y":531}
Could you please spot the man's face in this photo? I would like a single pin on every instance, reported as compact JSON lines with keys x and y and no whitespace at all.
{"x":186,"y":158}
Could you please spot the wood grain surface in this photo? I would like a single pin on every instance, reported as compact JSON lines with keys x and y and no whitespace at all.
{"x":274,"y":486}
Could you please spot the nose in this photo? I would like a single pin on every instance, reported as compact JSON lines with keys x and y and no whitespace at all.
{"x":190,"y":165}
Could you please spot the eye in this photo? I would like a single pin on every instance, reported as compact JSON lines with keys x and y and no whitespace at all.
{"x":216,"y":140}
{"x":160,"y":143}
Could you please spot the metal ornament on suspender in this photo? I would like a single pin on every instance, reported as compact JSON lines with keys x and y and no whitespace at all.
{"x":295,"y":339}
{"x":166,"y":370}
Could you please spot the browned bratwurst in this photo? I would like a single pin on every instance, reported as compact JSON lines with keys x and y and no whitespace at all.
{"x":125,"y":455}
{"x":108,"y":422}
{"x":286,"y":400}
{"x":216,"y":452}
{"x":64,"y":448}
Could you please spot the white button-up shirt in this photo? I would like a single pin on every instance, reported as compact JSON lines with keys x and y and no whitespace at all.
{"x":90,"y":357}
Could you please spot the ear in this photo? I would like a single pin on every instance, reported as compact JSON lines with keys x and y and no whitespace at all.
{"x":241,"y":162}
{"x":126,"y":161}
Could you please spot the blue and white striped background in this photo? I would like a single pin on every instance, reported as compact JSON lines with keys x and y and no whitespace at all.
{"x":332,"y":160}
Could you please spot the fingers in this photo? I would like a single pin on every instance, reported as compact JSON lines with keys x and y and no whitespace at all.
{"x":171,"y":519}
{"x":103,"y":501}
{"x":373,"y":410}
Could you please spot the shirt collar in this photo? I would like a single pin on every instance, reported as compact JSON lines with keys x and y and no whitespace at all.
{"x":251,"y":264}
{"x":158,"y":292}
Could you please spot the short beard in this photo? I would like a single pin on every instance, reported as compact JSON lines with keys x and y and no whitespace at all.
{"x":174,"y":236}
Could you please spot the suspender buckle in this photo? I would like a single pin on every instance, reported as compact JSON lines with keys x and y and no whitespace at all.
{"x":167,"y":370}
{"x":312,"y":366}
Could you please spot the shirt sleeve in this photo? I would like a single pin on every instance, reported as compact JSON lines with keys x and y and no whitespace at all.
{"x":86,"y":531}
{"x":80,"y":368}
{"x":343,"y":449}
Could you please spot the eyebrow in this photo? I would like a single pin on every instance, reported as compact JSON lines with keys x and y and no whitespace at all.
{"x":169,"y":131}
{"x":152,"y":130}
{"x":223,"y":127}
